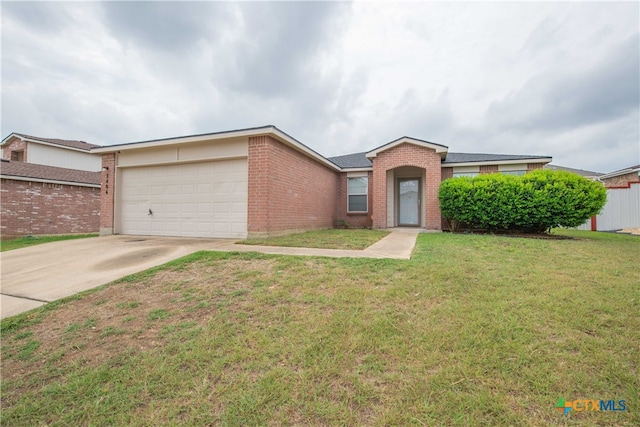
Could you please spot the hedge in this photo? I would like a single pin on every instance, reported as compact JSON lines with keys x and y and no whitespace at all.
{"x":534,"y":202}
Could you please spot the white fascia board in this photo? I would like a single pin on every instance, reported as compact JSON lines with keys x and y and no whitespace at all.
{"x":49,"y":181}
{"x":618,"y":173}
{"x":440,"y":149}
{"x":267,"y":130}
{"x":11,"y":135}
{"x":283,"y":137}
{"x":499,"y":162}
{"x":347,"y":170}
{"x":35,"y":141}
{"x":181,"y":140}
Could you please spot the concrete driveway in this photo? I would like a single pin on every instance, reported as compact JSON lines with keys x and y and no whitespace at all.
{"x":33,"y":276}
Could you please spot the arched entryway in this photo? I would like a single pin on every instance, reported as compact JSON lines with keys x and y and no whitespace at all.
{"x":405,"y":197}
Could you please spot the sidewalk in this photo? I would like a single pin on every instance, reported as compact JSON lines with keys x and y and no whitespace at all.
{"x":397,"y":245}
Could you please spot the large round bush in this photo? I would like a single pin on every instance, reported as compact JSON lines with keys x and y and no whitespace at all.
{"x":534,"y":202}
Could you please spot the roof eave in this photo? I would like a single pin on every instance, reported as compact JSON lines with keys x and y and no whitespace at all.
{"x":263,"y":130}
{"x":618,"y":173}
{"x":49,"y":181}
{"x":440,"y":149}
{"x":499,"y":162}
{"x":50,"y":144}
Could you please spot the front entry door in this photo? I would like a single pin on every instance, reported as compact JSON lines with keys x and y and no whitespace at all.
{"x":409,"y":202}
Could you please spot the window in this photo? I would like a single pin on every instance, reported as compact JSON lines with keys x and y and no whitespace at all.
{"x":357,"y":194}
{"x":17,"y":156}
{"x":469,"y":174}
{"x":518,"y":173}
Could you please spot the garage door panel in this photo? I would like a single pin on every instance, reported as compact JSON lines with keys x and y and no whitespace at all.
{"x":191,"y":200}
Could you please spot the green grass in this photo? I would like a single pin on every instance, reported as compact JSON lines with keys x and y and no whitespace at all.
{"x":324,"y":239}
{"x":23,"y":242}
{"x":474,"y":330}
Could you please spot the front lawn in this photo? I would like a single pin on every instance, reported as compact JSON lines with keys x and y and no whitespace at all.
{"x":23,"y":242}
{"x":324,"y":239}
{"x":474,"y":330}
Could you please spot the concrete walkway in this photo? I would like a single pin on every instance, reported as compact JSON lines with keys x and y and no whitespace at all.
{"x":36,"y":275}
{"x":397,"y":245}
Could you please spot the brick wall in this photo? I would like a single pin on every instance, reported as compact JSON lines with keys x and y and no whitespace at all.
{"x":107,"y":184}
{"x":534,"y":166}
{"x":484,"y":169}
{"x":407,"y":155}
{"x":32,"y":208}
{"x":354,"y":220}
{"x":446,"y":173}
{"x":15,"y":145}
{"x":622,"y":180}
{"x":288,"y":191}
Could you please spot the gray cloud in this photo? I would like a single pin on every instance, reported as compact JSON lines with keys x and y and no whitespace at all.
{"x":340,"y":77}
{"x":557,"y":101}
{"x":165,"y":26}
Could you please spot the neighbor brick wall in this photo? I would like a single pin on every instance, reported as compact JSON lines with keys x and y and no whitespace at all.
{"x":107,"y":184}
{"x":484,"y":169}
{"x":32,"y":208}
{"x":534,"y":166}
{"x":407,"y":155}
{"x":355,"y":220}
{"x":288,"y":191}
{"x":622,"y":180}
{"x":14,"y":145}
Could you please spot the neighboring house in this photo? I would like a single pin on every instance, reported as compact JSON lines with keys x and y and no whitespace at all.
{"x":39,"y":199}
{"x":594,"y":176}
{"x":622,"y":210}
{"x":261,"y":181}
{"x":60,"y":153}
{"x":621,"y":178}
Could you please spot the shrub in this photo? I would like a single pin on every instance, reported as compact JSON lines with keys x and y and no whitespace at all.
{"x":534,"y":202}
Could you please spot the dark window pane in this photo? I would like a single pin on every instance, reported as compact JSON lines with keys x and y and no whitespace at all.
{"x":357,"y":203}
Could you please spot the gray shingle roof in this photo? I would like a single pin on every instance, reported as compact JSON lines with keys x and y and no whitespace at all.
{"x":32,"y":170}
{"x":352,"y":161}
{"x":482,"y":157}
{"x":81,"y":145}
{"x":360,"y":160}
{"x":580,"y":172}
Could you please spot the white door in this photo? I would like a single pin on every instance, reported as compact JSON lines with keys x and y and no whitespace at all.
{"x":191,"y":200}
{"x":409,"y":202}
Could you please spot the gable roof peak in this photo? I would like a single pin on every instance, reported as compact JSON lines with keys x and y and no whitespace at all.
{"x":439,"y":148}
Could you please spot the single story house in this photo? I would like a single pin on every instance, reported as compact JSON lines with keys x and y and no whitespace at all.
{"x":261,"y":181}
{"x":62,"y":153}
{"x":621,"y":178}
{"x":39,"y":199}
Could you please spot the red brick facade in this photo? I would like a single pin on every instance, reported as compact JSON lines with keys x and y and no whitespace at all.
{"x":407,"y":155}
{"x":484,"y":169}
{"x":534,"y":166}
{"x":354,"y":220}
{"x":621,"y":180}
{"x":32,"y":208}
{"x":107,"y":184}
{"x":288,"y":191}
{"x":15,"y":145}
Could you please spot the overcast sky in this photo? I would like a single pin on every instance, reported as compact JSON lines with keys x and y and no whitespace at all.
{"x":557,"y":79}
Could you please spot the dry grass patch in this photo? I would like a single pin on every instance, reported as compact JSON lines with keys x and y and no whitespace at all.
{"x":324,"y":239}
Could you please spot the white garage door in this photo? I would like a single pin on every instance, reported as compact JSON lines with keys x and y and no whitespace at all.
{"x":191,"y":200}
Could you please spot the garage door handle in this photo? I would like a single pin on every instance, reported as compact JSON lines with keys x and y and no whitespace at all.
{"x":150,"y":212}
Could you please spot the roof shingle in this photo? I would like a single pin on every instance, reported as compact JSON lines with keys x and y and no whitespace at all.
{"x":31,"y":170}
{"x":80,"y":145}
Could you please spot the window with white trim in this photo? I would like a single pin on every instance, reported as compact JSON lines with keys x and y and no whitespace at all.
{"x":517,"y":173}
{"x":358,"y":194}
